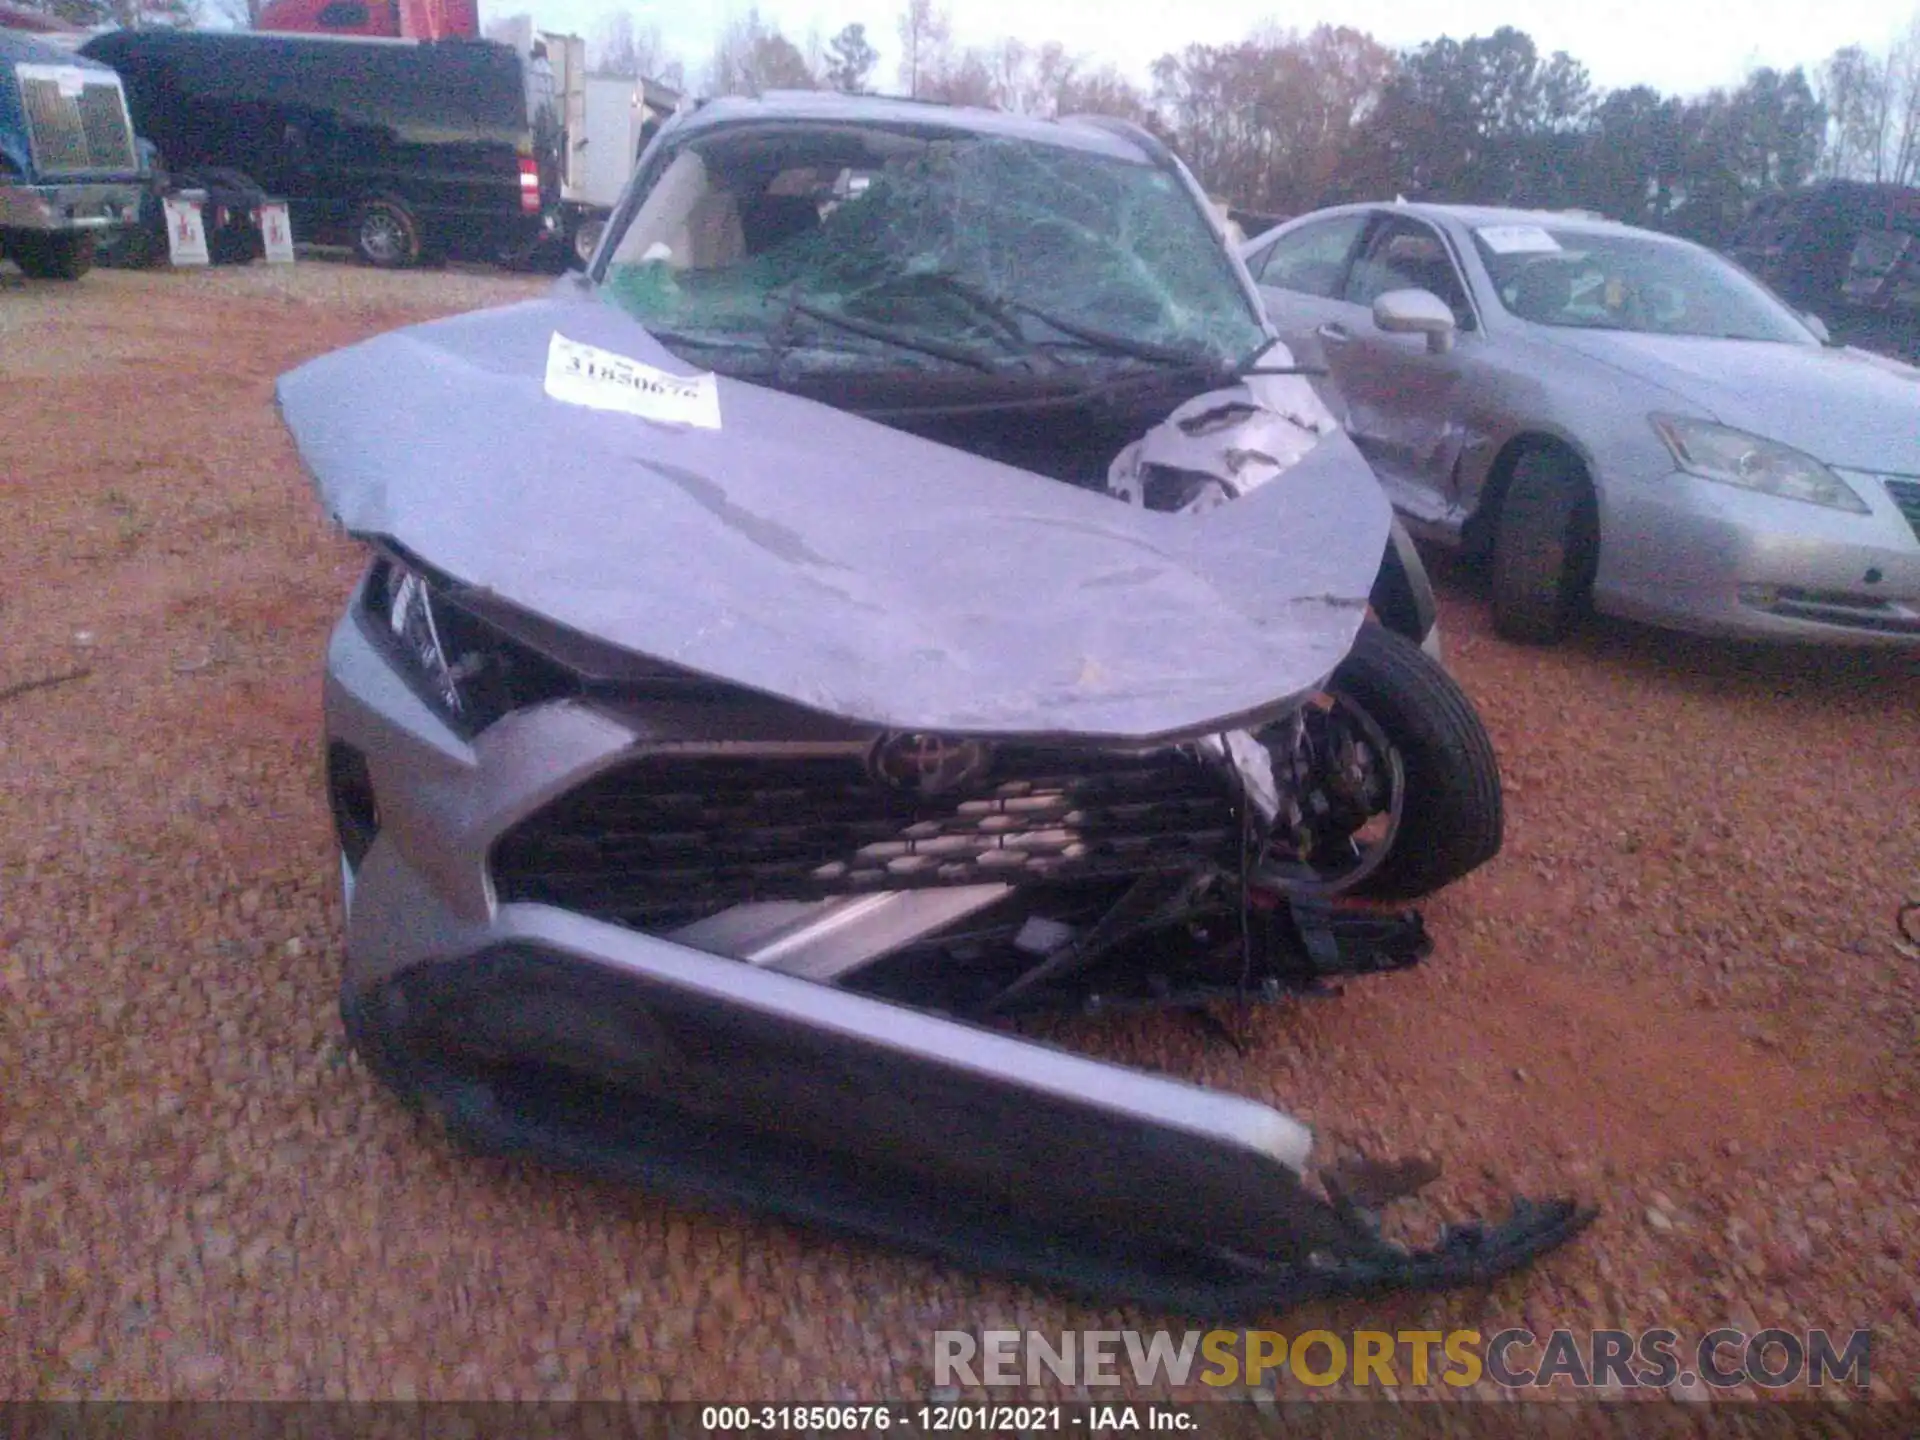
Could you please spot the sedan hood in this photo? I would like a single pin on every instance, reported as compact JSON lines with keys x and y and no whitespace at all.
{"x":1841,"y":406}
{"x":809,"y":554}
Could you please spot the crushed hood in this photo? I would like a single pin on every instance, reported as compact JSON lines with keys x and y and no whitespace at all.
{"x":834,"y":562}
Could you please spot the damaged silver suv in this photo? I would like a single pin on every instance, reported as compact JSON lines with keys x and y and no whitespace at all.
{"x":901,"y":587}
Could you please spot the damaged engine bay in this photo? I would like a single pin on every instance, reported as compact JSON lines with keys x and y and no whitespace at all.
{"x":993,"y":623}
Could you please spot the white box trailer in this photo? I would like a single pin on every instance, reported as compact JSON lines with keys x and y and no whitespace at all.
{"x":619,"y":116}
{"x":609,"y":140}
{"x":606,"y":119}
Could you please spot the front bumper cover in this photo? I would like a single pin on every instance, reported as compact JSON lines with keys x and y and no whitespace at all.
{"x":534,"y":1030}
{"x":1703,"y":557}
{"x":57,"y":208}
{"x":744,"y":1090}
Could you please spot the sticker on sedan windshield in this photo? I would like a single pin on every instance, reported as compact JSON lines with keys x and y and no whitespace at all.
{"x":601,"y":380}
{"x":1517,"y":239}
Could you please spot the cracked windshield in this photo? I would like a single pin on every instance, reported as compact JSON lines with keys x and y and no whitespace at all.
{"x":971,"y":252}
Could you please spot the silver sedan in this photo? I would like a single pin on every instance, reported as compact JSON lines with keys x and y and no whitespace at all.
{"x":1613,"y":417}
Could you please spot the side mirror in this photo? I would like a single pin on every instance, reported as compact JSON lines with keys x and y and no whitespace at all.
{"x":1416,"y":312}
{"x":1818,"y":326}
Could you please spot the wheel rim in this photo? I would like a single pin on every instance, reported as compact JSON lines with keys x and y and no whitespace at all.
{"x":586,"y":240}
{"x":382,"y":237}
{"x":1351,"y":788}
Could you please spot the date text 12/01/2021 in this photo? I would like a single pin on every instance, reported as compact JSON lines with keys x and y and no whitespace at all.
{"x":944,"y":1418}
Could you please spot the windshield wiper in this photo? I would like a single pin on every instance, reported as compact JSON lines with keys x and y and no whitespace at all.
{"x":1114,"y":344}
{"x":886,"y":334}
{"x":992,"y":306}
{"x":1001,"y":308}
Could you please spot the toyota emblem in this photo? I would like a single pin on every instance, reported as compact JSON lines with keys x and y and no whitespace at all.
{"x":928,"y":764}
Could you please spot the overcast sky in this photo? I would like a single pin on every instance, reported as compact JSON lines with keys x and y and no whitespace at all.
{"x":1676,"y":45}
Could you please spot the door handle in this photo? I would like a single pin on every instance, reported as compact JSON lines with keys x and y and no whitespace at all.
{"x":1333,"y":330}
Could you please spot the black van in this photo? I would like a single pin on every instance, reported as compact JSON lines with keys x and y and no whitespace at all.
{"x":407,"y":150}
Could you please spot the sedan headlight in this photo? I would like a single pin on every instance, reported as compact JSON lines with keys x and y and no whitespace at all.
{"x":1733,"y":457}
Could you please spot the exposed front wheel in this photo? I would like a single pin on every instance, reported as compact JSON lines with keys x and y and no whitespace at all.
{"x":1542,"y":548}
{"x":1399,"y":784}
{"x":51,"y":257}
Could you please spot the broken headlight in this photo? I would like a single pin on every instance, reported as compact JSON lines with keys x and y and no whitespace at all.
{"x":468,"y":670}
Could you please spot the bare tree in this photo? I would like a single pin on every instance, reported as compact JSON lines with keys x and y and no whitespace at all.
{"x":1101,"y":92}
{"x":620,"y":47}
{"x":752,"y":56}
{"x":1903,"y":106}
{"x":1006,"y":66}
{"x":925,"y":33}
{"x":615,"y":49}
{"x":1850,"y":86}
{"x":963,"y":79}
{"x":1873,"y":109}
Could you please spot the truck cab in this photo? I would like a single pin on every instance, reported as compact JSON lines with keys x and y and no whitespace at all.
{"x":68,"y":166}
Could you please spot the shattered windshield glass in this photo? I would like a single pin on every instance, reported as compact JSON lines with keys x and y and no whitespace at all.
{"x":866,"y":247}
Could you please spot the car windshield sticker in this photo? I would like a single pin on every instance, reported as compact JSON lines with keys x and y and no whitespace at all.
{"x":1517,"y":239}
{"x":601,"y":380}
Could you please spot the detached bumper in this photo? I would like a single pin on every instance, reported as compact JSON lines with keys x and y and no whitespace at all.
{"x":533,"y":1029}
{"x":69,"y":207}
{"x":1699,"y":556}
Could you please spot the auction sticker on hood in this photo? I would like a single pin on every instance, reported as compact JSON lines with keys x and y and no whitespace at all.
{"x":601,"y":380}
{"x":1517,"y":239}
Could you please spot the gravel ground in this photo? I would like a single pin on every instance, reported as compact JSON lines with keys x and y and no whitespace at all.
{"x":1676,"y":992}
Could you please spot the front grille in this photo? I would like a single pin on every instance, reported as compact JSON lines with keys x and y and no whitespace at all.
{"x":76,"y":134}
{"x":103,"y":117}
{"x":1906,"y":494}
{"x":669,"y":838}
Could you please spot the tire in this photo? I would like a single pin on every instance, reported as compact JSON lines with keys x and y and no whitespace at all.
{"x":385,"y":234}
{"x":1541,"y":548}
{"x":1453,"y":820}
{"x":371,"y":1041}
{"x":237,"y":242}
{"x":136,"y":247}
{"x":52,"y":257}
{"x":586,"y":239}
{"x":233,"y":245}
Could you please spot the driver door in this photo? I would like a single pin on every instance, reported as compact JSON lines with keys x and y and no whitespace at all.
{"x":1405,"y":406}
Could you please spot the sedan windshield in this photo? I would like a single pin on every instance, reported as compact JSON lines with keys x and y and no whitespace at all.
{"x":865,"y":247}
{"x":1600,"y":281}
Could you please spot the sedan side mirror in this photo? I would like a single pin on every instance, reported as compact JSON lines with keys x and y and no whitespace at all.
{"x":1818,"y":326}
{"x":1416,"y":312}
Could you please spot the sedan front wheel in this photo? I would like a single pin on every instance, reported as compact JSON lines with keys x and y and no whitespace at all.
{"x":1542,"y":548}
